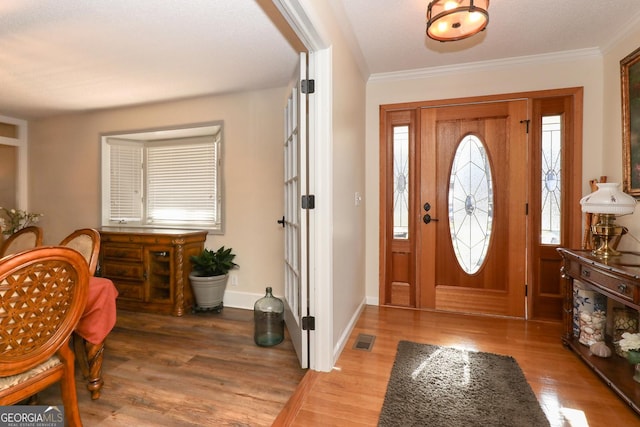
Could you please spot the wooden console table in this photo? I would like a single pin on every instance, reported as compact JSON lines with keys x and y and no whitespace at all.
{"x":150,"y":267}
{"x":617,"y":278}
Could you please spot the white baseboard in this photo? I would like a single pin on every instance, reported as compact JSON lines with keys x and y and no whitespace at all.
{"x":346,"y":333}
{"x":244,"y":300}
{"x":372,"y":300}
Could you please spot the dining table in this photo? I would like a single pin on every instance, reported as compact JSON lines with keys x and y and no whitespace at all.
{"x":94,"y":326}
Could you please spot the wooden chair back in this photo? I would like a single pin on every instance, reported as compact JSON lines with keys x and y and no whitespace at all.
{"x":87,"y":242}
{"x":23,"y":239}
{"x":44,"y":292}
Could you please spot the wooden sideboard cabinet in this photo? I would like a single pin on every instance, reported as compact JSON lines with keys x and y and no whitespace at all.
{"x":618,"y":278}
{"x":150,"y":267}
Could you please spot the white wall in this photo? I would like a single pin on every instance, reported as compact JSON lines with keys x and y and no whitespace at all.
{"x":574,"y":69}
{"x":347,"y":149}
{"x":348,"y":179}
{"x":64,"y":175}
{"x":612,"y":136}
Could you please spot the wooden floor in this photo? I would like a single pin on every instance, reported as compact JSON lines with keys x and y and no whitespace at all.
{"x":196,"y":370}
{"x":353,"y":393}
{"x":204,"y":370}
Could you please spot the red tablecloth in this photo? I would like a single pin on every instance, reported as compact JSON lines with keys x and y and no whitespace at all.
{"x":100,"y":312}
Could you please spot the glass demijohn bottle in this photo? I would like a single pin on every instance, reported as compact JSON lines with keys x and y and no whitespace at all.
{"x":268,"y":314}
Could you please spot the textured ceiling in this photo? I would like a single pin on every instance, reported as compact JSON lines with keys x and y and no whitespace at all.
{"x":60,"y":56}
{"x":68,"y":55}
{"x":391,"y":33}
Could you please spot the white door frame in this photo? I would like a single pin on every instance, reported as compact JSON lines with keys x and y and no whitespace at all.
{"x":321,"y":352}
{"x":21,"y":143}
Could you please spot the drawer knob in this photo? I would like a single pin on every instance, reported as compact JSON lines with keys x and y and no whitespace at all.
{"x":586,"y":273}
{"x":622,"y":288}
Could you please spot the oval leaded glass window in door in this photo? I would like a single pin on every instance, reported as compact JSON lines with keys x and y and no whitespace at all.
{"x":470,"y":203}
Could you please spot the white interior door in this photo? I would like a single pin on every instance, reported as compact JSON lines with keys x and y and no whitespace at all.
{"x":295,"y":218}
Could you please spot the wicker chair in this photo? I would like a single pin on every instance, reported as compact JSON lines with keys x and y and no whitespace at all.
{"x":87,"y":242}
{"x":44,"y":294}
{"x":21,"y":240}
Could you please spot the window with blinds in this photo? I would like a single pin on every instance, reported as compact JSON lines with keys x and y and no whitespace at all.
{"x":126,"y":181}
{"x":171,"y":182}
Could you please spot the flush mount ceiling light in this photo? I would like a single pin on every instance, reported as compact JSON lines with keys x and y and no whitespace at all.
{"x":450,"y":20}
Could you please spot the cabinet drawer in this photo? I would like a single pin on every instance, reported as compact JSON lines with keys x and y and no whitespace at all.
{"x":129,"y":253}
{"x":130,"y":291}
{"x":612,"y":284}
{"x":120,"y":237}
{"x":572,"y":268}
{"x":123,"y":270}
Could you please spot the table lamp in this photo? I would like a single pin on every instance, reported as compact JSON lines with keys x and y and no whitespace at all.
{"x":608,"y":202}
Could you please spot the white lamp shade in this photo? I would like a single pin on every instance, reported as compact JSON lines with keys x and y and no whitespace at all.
{"x":608,"y":199}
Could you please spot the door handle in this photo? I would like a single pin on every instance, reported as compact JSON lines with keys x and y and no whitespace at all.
{"x":427,"y":219}
{"x":281,"y":221}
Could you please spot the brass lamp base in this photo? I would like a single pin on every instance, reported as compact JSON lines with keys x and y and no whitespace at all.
{"x":606,"y":235}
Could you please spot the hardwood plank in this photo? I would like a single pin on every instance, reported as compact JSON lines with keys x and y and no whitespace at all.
{"x":569,"y":393}
{"x":204,"y":369}
{"x":197,"y":370}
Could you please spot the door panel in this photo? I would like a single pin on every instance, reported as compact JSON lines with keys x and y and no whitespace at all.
{"x":550,"y":156}
{"x":399,"y":238}
{"x":498,"y":287}
{"x":295,"y":220}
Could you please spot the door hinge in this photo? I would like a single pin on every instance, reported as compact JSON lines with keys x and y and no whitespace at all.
{"x":526,"y":208}
{"x":308,"y":323}
{"x":308,"y":201}
{"x":308,"y":86}
{"x":526,"y":290}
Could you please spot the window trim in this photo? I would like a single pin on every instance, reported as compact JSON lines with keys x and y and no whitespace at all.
{"x":157,"y":134}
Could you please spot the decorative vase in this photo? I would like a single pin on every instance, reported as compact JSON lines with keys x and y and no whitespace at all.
{"x":592,"y":327}
{"x":268,"y":314}
{"x":634,"y":358}
{"x":585,"y":301}
{"x":624,"y":320}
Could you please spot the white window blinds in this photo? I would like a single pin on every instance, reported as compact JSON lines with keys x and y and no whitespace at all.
{"x":169,"y":182}
{"x":126,"y":182}
{"x":181,"y":183}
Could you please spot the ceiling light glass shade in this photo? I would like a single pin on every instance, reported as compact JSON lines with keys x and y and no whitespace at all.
{"x":450,"y":20}
{"x":608,"y":199}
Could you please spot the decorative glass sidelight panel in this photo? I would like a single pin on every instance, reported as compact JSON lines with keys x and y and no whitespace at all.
{"x":470,"y":203}
{"x":551,"y":189}
{"x":401,"y":182}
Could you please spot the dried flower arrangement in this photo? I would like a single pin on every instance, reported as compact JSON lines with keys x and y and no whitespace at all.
{"x":13,"y":220}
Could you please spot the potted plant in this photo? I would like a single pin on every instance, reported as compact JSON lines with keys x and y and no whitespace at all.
{"x":208,"y":277}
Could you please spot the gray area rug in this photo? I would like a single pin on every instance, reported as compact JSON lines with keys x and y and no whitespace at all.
{"x":442,"y":386}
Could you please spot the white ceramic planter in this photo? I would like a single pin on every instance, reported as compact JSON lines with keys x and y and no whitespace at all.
{"x":208,"y":291}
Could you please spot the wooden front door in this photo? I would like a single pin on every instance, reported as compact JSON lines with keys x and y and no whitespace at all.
{"x":473,"y":190}
{"x":476,"y":243}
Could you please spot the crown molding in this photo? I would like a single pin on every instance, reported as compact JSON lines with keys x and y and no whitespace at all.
{"x":629,"y":28}
{"x":487,"y":65}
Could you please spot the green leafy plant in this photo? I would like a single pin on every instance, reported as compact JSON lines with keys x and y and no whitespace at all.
{"x":213,"y":263}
